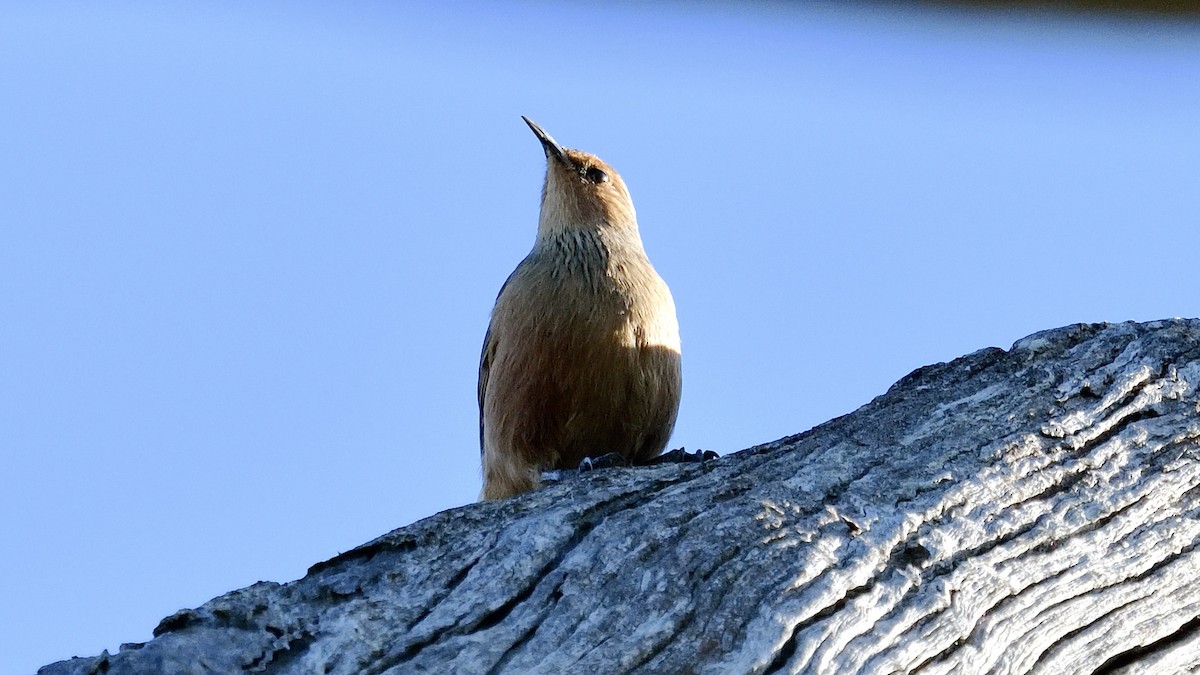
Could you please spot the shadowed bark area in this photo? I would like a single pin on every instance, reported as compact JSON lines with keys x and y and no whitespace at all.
{"x":1029,"y":510}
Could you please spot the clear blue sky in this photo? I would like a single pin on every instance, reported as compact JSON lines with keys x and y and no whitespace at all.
{"x":247,"y":252}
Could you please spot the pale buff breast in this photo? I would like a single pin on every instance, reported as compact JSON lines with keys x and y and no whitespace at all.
{"x":590,"y":364}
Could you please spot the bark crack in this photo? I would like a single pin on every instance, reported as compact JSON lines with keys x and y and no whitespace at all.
{"x":1131,"y":656}
{"x":587,"y":521}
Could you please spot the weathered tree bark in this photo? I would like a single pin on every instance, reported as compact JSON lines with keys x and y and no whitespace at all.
{"x":1034,"y":510}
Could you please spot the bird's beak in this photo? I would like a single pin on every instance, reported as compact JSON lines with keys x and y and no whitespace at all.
{"x":553,"y":149}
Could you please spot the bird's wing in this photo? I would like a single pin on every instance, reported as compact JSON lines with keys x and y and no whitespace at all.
{"x":485,"y":367}
{"x":489,"y":352}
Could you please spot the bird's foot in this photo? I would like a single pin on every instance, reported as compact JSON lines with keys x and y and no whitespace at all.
{"x":607,"y":461}
{"x":682,"y":456}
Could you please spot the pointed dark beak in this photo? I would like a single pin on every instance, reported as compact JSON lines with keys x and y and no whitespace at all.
{"x":551,"y":146}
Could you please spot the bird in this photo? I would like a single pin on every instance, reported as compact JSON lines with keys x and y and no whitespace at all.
{"x":581,"y":357}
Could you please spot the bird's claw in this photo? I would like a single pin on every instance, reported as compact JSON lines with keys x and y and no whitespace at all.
{"x":682,"y":456}
{"x":606,"y":461}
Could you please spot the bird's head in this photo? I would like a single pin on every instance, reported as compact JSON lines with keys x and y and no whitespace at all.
{"x":581,"y":191}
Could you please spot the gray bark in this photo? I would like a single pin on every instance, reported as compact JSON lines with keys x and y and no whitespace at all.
{"x":1030,"y":510}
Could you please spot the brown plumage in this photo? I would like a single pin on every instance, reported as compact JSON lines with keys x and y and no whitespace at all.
{"x":582,"y":354}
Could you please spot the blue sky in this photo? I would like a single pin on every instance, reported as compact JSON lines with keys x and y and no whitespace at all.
{"x":247,"y":253}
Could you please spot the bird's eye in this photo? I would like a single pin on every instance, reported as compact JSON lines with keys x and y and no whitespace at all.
{"x":595,"y":175}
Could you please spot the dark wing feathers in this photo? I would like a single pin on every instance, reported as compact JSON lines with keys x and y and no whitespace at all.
{"x":485,"y":366}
